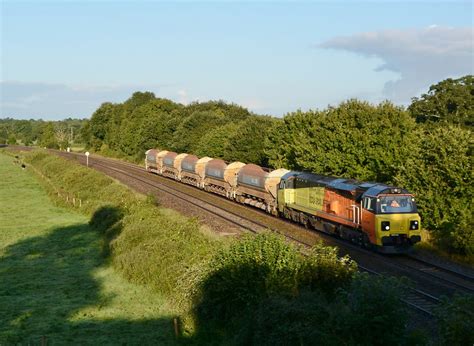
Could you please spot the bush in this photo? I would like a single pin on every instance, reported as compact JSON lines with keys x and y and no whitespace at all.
{"x":455,"y":318}
{"x":375,"y":311}
{"x":249,"y":271}
{"x":324,"y":270}
{"x":368,"y":312}
{"x":263,"y":267}
{"x":11,"y":140}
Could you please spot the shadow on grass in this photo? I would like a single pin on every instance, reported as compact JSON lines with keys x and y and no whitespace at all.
{"x":47,"y":282}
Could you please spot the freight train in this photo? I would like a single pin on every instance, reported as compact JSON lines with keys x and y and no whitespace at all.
{"x":373,"y":215}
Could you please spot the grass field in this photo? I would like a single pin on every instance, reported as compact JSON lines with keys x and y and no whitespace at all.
{"x":55,"y":286}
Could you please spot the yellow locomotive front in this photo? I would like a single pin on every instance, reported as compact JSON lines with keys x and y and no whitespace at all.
{"x":391,"y":218}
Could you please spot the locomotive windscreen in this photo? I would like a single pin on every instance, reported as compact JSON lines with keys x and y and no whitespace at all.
{"x":396,"y":204}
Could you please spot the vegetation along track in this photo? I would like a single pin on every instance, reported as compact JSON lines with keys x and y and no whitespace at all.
{"x":431,"y":284}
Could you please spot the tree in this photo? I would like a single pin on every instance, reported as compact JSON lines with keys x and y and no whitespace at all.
{"x":11,"y":139}
{"x":214,"y":143}
{"x":353,"y":140}
{"x":231,"y":112}
{"x":61,"y":135}
{"x":192,"y":128}
{"x":246,"y":144}
{"x":98,"y":126}
{"x":440,"y":174}
{"x":451,"y":100}
{"x":48,"y":136}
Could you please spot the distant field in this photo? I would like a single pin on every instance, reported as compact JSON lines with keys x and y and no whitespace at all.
{"x":55,"y":286}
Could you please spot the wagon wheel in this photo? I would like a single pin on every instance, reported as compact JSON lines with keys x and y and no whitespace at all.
{"x":304,"y":220}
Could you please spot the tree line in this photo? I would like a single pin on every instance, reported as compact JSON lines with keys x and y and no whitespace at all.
{"x":426,"y":147}
{"x":49,"y":134}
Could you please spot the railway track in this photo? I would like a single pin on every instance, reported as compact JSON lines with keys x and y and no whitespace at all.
{"x":418,"y":299}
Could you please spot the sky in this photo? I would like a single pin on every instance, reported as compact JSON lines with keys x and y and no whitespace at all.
{"x":65,"y":58}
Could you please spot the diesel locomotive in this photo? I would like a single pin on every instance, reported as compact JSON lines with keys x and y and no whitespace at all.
{"x":373,"y":215}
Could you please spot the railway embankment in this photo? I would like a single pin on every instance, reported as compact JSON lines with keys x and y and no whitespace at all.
{"x":255,"y":290}
{"x":56,"y":287}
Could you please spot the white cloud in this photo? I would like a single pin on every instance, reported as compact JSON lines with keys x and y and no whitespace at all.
{"x":420,"y":56}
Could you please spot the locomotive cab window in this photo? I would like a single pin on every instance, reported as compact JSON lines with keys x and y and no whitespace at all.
{"x":369,"y":203}
{"x":396,"y":204}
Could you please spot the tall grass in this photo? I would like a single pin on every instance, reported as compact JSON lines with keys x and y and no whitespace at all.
{"x":148,"y":245}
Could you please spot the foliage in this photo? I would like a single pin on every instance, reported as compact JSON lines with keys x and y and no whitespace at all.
{"x":28,"y":132}
{"x":324,"y":270}
{"x":231,"y":112}
{"x":262,"y":266}
{"x":214,"y":143}
{"x":451,"y":101}
{"x":353,"y":140}
{"x":375,"y":302}
{"x":189,"y":132}
{"x":246,"y":143}
{"x":365,"y":313}
{"x":262,"y":291}
{"x":11,"y":139}
{"x":48,"y":137}
{"x":441,"y":175}
{"x":455,"y":318}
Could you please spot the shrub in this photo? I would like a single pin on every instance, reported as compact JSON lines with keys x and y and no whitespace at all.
{"x":249,"y":271}
{"x":455,"y":318}
{"x":367,"y":312}
{"x":262,"y":267}
{"x":375,"y":311}
{"x":324,"y":270}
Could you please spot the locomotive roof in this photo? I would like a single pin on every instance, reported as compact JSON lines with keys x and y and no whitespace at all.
{"x":348,"y":185}
{"x":382,"y":188}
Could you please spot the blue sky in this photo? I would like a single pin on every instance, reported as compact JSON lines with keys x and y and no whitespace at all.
{"x":65,"y":58}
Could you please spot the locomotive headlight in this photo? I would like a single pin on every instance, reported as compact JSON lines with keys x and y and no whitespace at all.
{"x":414,"y":225}
{"x":385,"y":225}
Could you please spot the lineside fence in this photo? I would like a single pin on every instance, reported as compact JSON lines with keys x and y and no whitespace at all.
{"x":69,"y":198}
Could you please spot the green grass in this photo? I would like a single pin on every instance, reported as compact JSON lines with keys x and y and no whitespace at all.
{"x":56,"y":284}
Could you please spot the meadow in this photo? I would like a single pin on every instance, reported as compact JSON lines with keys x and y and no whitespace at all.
{"x":56,"y":286}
